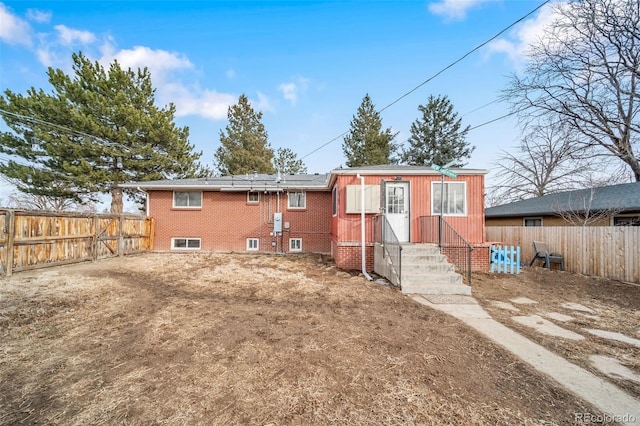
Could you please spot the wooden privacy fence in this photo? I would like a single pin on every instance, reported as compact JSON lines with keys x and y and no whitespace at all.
{"x":604,"y":251}
{"x":37,"y":239}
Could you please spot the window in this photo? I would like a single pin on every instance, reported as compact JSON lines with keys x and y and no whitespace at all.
{"x":185,"y":243}
{"x":371,"y":198}
{"x":253,"y":197}
{"x":295,"y":244}
{"x":334,"y":200}
{"x":253,"y":244}
{"x":395,"y":199}
{"x":187,"y":199}
{"x":455,"y":198}
{"x":532,"y":221}
{"x":297,"y":200}
{"x":626,"y":221}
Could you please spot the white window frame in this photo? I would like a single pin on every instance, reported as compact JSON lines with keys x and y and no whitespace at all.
{"x":249,"y":244}
{"x":187,"y":240}
{"x":334,"y":201}
{"x":175,"y":206}
{"x":249,"y":200}
{"x":525,"y":219}
{"x":435,"y":201}
{"x":304,"y":199}
{"x":293,"y":247}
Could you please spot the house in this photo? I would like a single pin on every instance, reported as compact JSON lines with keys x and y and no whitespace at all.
{"x":617,"y":205}
{"x":319,"y":213}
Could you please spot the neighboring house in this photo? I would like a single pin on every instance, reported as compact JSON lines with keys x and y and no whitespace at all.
{"x":617,"y":205}
{"x":319,"y":213}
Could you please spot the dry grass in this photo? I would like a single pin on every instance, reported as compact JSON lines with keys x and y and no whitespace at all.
{"x":235,"y":339}
{"x":616,"y":306}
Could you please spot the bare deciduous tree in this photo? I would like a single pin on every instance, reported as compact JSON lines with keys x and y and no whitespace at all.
{"x":580,"y":210}
{"x":546,"y":161}
{"x":585,"y":72}
{"x":42,"y":202}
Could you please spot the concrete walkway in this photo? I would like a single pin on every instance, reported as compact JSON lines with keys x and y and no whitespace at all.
{"x":600,"y":393}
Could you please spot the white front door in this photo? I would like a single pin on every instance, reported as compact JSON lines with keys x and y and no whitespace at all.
{"x":397,"y":208}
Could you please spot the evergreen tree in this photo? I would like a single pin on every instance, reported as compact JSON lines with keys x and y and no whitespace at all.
{"x":366,"y":143}
{"x":287,"y":162}
{"x":437,"y":137}
{"x":97,"y":129}
{"x":244,"y":147}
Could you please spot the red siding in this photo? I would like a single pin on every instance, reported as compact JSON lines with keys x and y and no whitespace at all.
{"x":226,"y":220}
{"x":346,"y":227}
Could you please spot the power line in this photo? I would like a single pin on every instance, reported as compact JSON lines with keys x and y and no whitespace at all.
{"x":452,"y":64}
{"x":66,"y":129}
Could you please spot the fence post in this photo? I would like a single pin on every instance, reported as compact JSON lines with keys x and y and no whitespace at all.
{"x":10,"y":226}
{"x":120,"y":235}
{"x":94,"y":238}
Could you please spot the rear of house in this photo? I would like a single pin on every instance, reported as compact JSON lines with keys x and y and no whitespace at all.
{"x":409,"y":198}
{"x":316,"y":213}
{"x":251,"y":213}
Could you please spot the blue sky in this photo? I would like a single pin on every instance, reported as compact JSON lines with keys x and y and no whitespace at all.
{"x":305,"y":64}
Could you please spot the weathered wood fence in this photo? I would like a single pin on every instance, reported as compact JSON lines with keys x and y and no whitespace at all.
{"x":36,"y":239}
{"x":604,"y":251}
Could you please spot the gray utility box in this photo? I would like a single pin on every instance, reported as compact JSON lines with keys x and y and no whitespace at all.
{"x":277,"y":222}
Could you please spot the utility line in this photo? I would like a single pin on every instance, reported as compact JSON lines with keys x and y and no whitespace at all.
{"x":66,"y":129}
{"x":481,"y":45}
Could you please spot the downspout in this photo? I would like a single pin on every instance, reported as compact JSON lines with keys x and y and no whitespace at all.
{"x":146,"y":200}
{"x":362,"y":230}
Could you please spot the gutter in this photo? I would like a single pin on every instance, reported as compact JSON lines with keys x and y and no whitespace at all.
{"x":146,"y":201}
{"x":362,"y":230}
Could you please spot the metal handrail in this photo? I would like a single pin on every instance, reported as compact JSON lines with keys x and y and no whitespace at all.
{"x":436,"y":230}
{"x":392,"y":248}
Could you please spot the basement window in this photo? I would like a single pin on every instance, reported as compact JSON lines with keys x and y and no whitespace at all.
{"x":295,"y":244}
{"x":253,"y":244}
{"x":185,"y":243}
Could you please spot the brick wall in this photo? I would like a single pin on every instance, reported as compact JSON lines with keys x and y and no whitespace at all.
{"x":480,"y":258}
{"x":348,"y":255}
{"x":226,"y":220}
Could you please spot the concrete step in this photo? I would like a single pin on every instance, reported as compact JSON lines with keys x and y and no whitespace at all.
{"x":423,"y":258}
{"x":420,"y":249}
{"x":427,"y":268}
{"x":433,"y":278}
{"x":436,"y":289}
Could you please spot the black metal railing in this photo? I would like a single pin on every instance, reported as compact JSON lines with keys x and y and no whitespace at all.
{"x":383,"y":234}
{"x":436,"y":230}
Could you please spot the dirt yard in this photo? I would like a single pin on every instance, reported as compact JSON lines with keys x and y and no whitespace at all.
{"x":237,"y":339}
{"x":611,"y":306}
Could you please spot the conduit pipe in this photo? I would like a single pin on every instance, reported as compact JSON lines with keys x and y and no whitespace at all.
{"x":362,"y":230}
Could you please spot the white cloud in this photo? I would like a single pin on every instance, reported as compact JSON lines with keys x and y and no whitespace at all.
{"x":13,"y":29}
{"x":70,"y":36}
{"x":39,"y":16}
{"x":263,"y":103}
{"x":292,"y":90}
{"x":289,"y":91}
{"x":160,"y":62}
{"x":522,"y":36}
{"x":207,"y":103}
{"x":455,"y":9}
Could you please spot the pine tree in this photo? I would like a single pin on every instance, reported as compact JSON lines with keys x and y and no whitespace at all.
{"x":437,"y":137}
{"x":97,"y":129}
{"x":287,"y":162}
{"x":244,"y":147}
{"x":366,"y":143}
